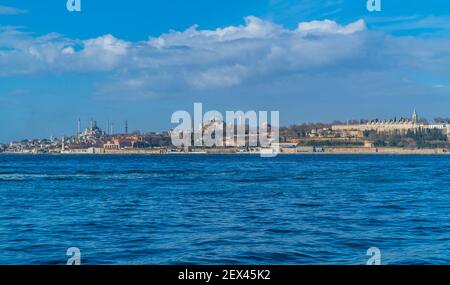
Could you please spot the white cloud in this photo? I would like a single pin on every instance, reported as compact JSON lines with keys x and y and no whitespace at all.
{"x":219,"y":77}
{"x":22,"y":53}
{"x":331,"y":27}
{"x":6,"y":10}
{"x":420,"y":24}
{"x":258,"y":52}
{"x":106,"y":44}
{"x":254,"y":28}
{"x":68,"y":50}
{"x":107,"y":51}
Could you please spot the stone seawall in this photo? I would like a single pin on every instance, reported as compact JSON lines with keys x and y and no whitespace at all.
{"x":384,"y":150}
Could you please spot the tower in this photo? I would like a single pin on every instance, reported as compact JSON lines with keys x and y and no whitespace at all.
{"x":78,"y":127}
{"x":414,"y":117}
{"x":63,"y":145}
{"x":126,"y":127}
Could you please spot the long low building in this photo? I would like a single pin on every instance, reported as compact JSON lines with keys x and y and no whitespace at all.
{"x":390,"y":126}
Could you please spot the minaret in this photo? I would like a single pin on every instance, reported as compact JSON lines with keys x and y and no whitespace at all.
{"x":78,"y":128}
{"x":63,"y":145}
{"x":126,"y":127}
{"x":414,"y":117}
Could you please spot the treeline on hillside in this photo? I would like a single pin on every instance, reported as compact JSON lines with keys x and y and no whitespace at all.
{"x":331,"y":143}
{"x":427,"y":138}
{"x":300,"y":131}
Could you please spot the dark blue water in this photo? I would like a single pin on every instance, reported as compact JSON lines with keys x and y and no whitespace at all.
{"x":224,"y":209}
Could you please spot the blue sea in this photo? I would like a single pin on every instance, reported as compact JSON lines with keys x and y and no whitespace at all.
{"x":224,"y":209}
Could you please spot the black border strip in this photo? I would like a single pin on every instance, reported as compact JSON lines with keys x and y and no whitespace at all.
{"x":361,"y":274}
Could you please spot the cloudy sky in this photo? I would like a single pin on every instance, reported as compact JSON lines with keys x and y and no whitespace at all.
{"x":142,"y":60}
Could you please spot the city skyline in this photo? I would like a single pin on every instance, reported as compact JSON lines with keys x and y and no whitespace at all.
{"x":412,"y":135}
{"x":123,"y":128}
{"x":312,"y":62}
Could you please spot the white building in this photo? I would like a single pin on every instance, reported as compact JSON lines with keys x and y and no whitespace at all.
{"x":390,"y":126}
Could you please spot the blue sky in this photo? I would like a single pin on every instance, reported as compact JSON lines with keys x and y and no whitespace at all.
{"x":143,"y":60}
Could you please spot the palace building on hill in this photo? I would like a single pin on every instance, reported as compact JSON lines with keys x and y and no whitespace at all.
{"x":402,"y":126}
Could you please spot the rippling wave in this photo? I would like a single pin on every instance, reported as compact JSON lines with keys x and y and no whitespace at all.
{"x":236,"y":209}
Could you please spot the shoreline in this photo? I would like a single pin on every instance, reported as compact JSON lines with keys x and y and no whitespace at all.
{"x":328,"y":151}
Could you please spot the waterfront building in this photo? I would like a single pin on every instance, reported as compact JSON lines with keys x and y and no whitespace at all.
{"x":114,"y":144}
{"x":401,"y":126}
